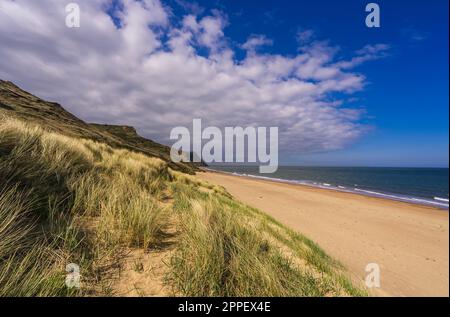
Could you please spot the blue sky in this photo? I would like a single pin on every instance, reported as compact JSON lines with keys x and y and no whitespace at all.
{"x":406,"y":98}
{"x":340,"y":93}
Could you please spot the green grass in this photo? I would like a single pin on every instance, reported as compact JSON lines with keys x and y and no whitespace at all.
{"x":60,"y":196}
{"x":26,"y":268}
{"x":67,"y":200}
{"x":229,"y":249}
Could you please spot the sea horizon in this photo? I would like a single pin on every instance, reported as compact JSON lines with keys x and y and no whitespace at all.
{"x":417,"y":185}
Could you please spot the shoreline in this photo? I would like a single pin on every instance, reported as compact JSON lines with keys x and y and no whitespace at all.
{"x":412,"y":200}
{"x":410,"y":242}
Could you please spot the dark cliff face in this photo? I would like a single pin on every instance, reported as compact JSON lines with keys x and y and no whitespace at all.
{"x":52,"y":116}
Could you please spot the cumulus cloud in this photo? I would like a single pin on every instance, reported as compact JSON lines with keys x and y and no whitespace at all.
{"x":154,"y":71}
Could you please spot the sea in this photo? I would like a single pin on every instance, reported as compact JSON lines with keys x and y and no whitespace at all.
{"x":425,"y":186}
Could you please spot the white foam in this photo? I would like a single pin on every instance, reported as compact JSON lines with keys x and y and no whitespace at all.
{"x":426,"y":201}
{"x":438,"y":201}
{"x":441,"y":199}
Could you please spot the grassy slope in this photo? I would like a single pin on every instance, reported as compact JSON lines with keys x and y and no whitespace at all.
{"x":19,"y":103}
{"x":66,"y":199}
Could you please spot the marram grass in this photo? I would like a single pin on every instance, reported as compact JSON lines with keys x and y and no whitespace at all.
{"x":71,"y":200}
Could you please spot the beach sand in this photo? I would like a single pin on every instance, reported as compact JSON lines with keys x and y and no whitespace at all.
{"x":409,"y":242}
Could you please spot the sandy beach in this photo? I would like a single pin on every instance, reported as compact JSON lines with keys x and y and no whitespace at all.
{"x":409,"y":242}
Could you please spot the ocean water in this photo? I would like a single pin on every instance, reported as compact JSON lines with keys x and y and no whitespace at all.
{"x":427,"y":186}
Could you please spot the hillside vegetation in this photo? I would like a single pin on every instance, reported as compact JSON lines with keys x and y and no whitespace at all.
{"x":67,"y":198}
{"x":21,"y":104}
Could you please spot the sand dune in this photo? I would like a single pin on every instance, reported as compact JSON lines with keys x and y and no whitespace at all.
{"x":409,"y":242}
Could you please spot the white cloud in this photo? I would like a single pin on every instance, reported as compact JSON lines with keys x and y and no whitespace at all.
{"x":153,"y":73}
{"x":190,"y":6}
{"x":367,"y":53}
{"x":414,"y":35}
{"x":255,"y":41}
{"x":305,"y":35}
